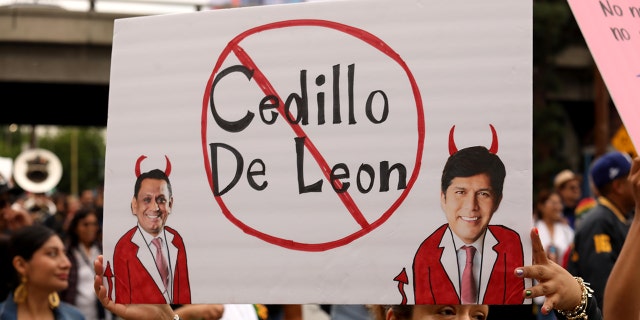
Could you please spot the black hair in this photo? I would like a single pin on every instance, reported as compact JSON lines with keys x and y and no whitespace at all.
{"x":542,"y":197}
{"x":24,"y":242}
{"x":8,"y":195}
{"x":153,"y":174}
{"x":72,"y":234}
{"x":472,"y":161}
{"x":6,"y":268}
{"x":27,"y":240}
{"x":401,"y":312}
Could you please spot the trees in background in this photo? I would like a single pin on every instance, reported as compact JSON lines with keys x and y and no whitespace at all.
{"x":81,"y":151}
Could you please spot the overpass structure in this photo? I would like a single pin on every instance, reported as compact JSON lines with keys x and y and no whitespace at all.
{"x":54,"y":65}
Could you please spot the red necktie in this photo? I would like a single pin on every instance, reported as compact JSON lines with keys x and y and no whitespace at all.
{"x":161,"y":262}
{"x":468,"y":282}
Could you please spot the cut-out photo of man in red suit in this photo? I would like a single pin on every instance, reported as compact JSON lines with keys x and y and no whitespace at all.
{"x":471,"y":192}
{"x":149,"y":260}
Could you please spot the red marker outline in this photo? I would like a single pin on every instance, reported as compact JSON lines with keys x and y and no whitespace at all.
{"x":366,"y":227}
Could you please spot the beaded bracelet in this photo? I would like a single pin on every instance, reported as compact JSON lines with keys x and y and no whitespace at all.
{"x":580,"y":311}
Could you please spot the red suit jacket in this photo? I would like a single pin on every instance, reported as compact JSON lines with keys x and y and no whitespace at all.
{"x":137,"y":279}
{"x":502,"y":253}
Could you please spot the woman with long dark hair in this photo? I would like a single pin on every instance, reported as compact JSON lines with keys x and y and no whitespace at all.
{"x":41,"y":270}
{"x":82,"y":249}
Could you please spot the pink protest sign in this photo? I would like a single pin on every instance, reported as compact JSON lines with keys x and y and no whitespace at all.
{"x":612,"y":31}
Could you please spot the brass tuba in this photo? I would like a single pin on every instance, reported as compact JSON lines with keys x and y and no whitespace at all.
{"x":37,"y":170}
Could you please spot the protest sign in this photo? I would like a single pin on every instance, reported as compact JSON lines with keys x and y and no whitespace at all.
{"x":612,"y":32}
{"x":305,"y":145}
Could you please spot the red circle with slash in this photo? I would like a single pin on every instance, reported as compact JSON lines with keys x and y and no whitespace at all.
{"x":364,"y":36}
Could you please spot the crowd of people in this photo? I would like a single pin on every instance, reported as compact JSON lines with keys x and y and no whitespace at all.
{"x":48,"y":247}
{"x":52,"y":264}
{"x":588,"y":241}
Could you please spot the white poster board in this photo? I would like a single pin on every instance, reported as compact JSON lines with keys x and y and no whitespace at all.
{"x":369,"y":92}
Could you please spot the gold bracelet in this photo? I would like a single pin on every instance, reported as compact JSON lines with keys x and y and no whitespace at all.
{"x":580,"y":311}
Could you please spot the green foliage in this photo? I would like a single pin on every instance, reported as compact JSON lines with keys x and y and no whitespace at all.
{"x":548,"y":139}
{"x":552,"y":22}
{"x":554,"y":29}
{"x":86,"y":146}
{"x":11,"y":142}
{"x":81,"y":150}
{"x":551,"y":129}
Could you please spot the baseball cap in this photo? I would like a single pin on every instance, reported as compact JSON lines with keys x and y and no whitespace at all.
{"x":563,"y":177}
{"x":609,"y":167}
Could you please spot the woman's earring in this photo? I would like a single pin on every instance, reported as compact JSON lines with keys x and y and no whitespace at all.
{"x":54,"y":300}
{"x":20,"y":294}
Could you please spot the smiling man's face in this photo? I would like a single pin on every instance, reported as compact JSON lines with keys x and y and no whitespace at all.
{"x":469,"y":204}
{"x":152,"y":205}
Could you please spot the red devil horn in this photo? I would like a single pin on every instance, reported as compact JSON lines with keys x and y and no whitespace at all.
{"x":167,"y":169}
{"x":137,"y":169}
{"x":494,"y":140}
{"x":452,"y":144}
